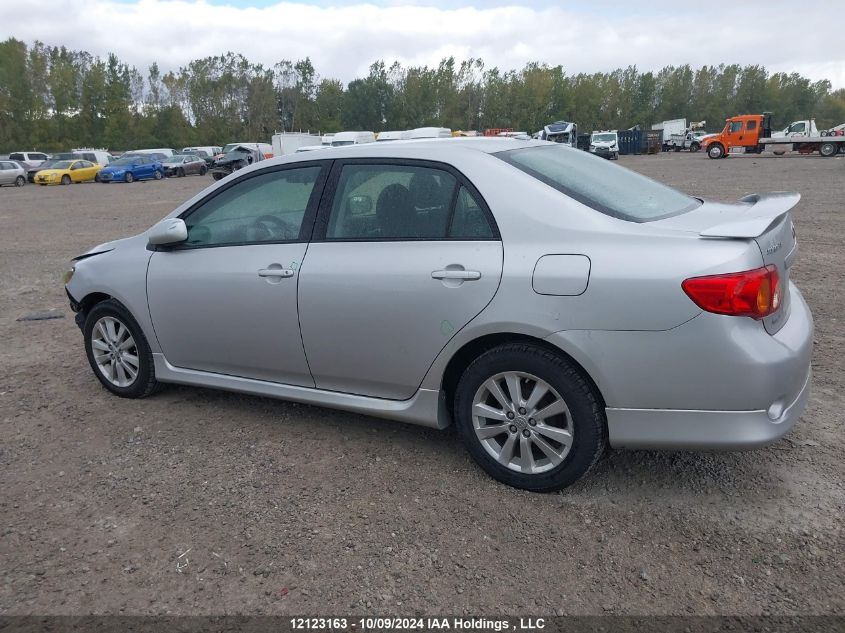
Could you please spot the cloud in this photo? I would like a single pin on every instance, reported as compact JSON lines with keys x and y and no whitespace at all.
{"x":343,"y":38}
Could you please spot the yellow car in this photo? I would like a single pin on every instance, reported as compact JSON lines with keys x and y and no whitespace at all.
{"x":68,"y":171}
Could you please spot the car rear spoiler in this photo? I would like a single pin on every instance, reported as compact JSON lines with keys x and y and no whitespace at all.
{"x":762,"y":211}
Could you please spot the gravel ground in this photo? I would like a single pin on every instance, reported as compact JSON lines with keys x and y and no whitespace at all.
{"x":203,"y":502}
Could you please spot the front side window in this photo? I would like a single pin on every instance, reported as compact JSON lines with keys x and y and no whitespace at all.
{"x":798,"y":127}
{"x":735,"y":126}
{"x":599,"y":184}
{"x":391,"y":202}
{"x":268,"y":207}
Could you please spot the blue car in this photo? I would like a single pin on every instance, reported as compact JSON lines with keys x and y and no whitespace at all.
{"x":131,"y":168}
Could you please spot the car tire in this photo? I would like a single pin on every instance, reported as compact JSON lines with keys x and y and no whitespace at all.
{"x":66,"y":179}
{"x":111,"y":336}
{"x":20,"y":181}
{"x":96,"y":177}
{"x":180,"y":173}
{"x":129,"y":177}
{"x":716,"y":151}
{"x":572,"y":407}
{"x":828,"y":149}
{"x":158,"y":175}
{"x":203,"y":170}
{"x":694,"y":147}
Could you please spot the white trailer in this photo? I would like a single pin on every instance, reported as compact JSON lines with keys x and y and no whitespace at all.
{"x":288,"y":142}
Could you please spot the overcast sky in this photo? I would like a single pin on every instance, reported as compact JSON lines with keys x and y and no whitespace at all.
{"x":343,"y":37}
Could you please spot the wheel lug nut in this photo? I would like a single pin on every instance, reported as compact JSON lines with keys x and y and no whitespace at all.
{"x":521,"y":411}
{"x":532,"y":422}
{"x":512,"y":428}
{"x":510,"y":415}
{"x":526,"y":433}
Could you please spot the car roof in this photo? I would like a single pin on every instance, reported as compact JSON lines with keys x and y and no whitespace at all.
{"x":428,"y":148}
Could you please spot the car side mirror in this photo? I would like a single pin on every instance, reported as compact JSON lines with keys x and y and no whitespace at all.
{"x":360,"y":205}
{"x":168,"y":231}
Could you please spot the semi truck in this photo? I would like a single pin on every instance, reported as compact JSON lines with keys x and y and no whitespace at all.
{"x":752,"y":133}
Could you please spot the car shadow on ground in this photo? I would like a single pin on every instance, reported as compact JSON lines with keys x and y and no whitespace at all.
{"x":642,"y":473}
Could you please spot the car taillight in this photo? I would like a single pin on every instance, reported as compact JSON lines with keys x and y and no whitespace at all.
{"x":752,"y":293}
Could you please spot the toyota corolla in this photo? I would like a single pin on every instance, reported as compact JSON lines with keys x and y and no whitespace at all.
{"x":545,"y":301}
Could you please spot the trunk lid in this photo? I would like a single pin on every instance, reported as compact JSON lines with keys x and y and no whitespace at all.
{"x":766,"y":219}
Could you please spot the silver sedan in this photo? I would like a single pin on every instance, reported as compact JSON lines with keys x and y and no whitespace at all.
{"x":545,"y":301}
{"x":12,"y":173}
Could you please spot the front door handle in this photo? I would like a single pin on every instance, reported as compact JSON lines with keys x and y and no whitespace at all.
{"x":276,"y":272}
{"x":464,"y":275}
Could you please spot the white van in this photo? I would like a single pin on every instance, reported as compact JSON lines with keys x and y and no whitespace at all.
{"x":167,"y":151}
{"x":431,"y":132}
{"x":326,"y":139}
{"x":265,"y":148}
{"x":210,"y":150}
{"x":394,"y":135}
{"x":352,"y":138}
{"x":290,"y":142}
{"x":99,"y":156}
{"x":310,"y":148}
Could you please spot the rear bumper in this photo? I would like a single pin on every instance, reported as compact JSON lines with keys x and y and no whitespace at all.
{"x":725,"y":430}
{"x":713,"y":382}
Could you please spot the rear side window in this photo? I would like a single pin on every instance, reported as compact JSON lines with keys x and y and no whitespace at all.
{"x":599,"y":184}
{"x":752,"y":125}
{"x":392,"y":202}
{"x":405,"y":202}
{"x":17,"y":156}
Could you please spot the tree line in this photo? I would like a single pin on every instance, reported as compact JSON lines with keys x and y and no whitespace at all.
{"x":53,"y":98}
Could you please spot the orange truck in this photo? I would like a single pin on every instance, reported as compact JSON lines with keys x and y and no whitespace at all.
{"x":752,"y":133}
{"x":740,"y":135}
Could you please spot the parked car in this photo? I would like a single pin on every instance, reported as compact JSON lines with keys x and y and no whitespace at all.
{"x":208,"y":158}
{"x":236,"y":158}
{"x":544,"y":300}
{"x":66,"y":172}
{"x":132,"y":168}
{"x":51,"y":162}
{"x":12,"y":173}
{"x":28,"y":159}
{"x":265,"y":149}
{"x":184,"y":165}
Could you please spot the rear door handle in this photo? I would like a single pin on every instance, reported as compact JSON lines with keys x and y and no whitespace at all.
{"x":465,"y":275}
{"x":275,"y":272}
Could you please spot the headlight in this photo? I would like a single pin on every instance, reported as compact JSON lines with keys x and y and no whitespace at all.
{"x":68,"y":275}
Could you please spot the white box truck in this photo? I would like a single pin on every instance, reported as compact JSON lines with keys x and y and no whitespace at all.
{"x":673,"y":126}
{"x":288,"y":142}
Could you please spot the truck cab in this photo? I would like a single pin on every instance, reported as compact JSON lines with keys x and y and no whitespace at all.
{"x":806,"y":127}
{"x":740,"y":135}
{"x":605,"y":144}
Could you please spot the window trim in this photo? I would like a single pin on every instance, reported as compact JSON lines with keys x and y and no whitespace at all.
{"x":327,"y":202}
{"x":305,"y":229}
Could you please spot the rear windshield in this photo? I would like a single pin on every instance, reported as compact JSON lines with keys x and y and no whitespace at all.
{"x":599,"y":184}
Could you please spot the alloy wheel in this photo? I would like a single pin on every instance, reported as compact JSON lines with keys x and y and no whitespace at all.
{"x":115,"y":351}
{"x":522,"y":422}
